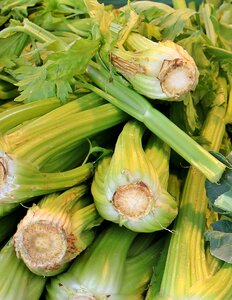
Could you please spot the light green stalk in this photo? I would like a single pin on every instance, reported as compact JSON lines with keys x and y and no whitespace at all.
{"x":106,"y":271}
{"x":23,"y":152}
{"x":56,"y":230}
{"x":228,"y":117}
{"x":21,"y":181}
{"x":37,"y":141}
{"x":126,"y":187}
{"x":99,"y":272}
{"x":14,"y":116}
{"x":158,"y":153}
{"x":16,"y":281}
{"x":217,"y":287}
{"x":137,"y":106}
{"x":186,"y":262}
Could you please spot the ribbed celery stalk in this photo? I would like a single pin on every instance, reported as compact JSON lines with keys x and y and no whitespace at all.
{"x":97,"y":273}
{"x":56,"y":230}
{"x":137,"y":106}
{"x":21,"y":113}
{"x":127,"y":190}
{"x":186,"y":261}
{"x":217,"y":287}
{"x":19,"y":167}
{"x":27,"y":141}
{"x":105,"y":271}
{"x":16,"y":281}
{"x":228,"y":118}
{"x":158,"y":153}
{"x":37,"y":148}
{"x":158,"y":270}
{"x":21,"y":181}
{"x":138,"y":270}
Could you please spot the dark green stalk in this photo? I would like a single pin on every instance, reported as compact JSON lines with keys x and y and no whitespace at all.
{"x":158,"y":270}
{"x":8,"y":224}
{"x":139,"y":108}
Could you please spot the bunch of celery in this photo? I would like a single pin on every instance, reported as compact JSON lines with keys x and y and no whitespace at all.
{"x":166,"y":72}
{"x":49,"y":140}
{"x":58,"y":71}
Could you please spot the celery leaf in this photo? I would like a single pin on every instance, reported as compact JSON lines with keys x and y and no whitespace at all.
{"x":220,"y":240}
{"x":54,"y":77}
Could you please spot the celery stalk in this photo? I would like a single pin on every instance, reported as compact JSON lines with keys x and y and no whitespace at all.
{"x":97,"y":273}
{"x":106,"y":270}
{"x":214,"y":288}
{"x":186,"y":262}
{"x":56,"y":230}
{"x":36,"y":144}
{"x":156,"y":279}
{"x":158,"y":153}
{"x":139,"y":271}
{"x":21,"y":181}
{"x":19,"y":114}
{"x":16,"y":281}
{"x":137,"y":106}
{"x":7,"y":208}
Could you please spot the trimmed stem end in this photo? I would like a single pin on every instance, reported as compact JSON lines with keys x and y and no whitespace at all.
{"x":44,"y":247}
{"x":133,"y":200}
{"x":177,"y":77}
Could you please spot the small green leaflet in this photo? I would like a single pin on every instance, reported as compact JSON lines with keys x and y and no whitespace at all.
{"x":220,"y":200}
{"x":54,"y":77}
{"x":220,"y":240}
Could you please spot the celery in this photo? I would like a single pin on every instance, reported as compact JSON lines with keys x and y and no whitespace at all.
{"x":161,"y":70}
{"x":16,"y":281}
{"x":126,"y":187}
{"x":18,"y":178}
{"x":56,"y":230}
{"x":217,"y":287}
{"x":14,"y":116}
{"x":134,"y":104}
{"x":27,"y":148}
{"x":35,"y":143}
{"x":158,"y":153}
{"x":186,"y":262}
{"x":106,"y":271}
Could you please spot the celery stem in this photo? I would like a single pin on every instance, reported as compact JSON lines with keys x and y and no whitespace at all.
{"x":137,"y":106}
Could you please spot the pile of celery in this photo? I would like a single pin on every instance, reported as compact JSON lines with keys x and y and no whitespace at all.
{"x":115,"y":150}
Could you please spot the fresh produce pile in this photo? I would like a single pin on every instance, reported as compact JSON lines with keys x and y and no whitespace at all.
{"x":115,"y":150}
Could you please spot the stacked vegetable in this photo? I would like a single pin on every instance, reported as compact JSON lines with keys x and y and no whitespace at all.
{"x":115,"y":150}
